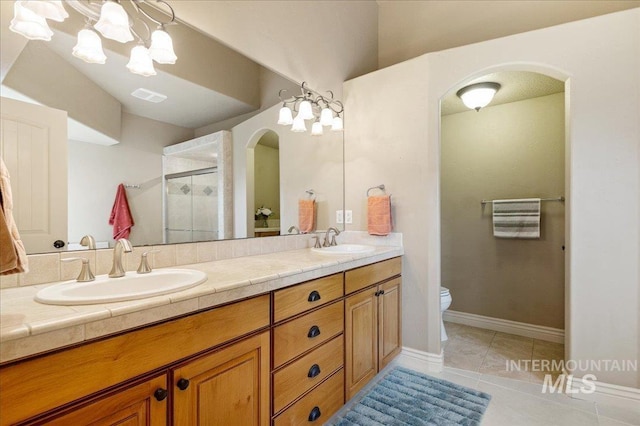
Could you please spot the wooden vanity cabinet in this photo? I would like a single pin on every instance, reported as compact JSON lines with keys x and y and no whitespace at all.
{"x":308,"y":351}
{"x":373,"y":331}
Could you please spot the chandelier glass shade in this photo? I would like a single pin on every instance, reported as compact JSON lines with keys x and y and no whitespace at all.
{"x":111,"y":20}
{"x":310,"y":105}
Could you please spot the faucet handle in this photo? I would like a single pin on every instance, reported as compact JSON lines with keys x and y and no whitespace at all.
{"x":317,"y":244}
{"x":333,"y":241}
{"x":144,"y":267}
{"x":85,"y":273}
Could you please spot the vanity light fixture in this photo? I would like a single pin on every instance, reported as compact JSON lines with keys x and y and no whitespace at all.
{"x":108,"y":18}
{"x":476,"y":96}
{"x":310,"y":105}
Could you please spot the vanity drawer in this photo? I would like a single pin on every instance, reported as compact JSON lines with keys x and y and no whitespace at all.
{"x":317,"y":406}
{"x":305,"y":373}
{"x":295,"y":337}
{"x":359,"y":278}
{"x":297,"y":299}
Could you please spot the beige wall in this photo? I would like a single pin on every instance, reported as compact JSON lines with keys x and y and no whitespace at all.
{"x":393,"y":137}
{"x":513,"y":150}
{"x":267,"y":179}
{"x":97,"y":170}
{"x":407,"y":29}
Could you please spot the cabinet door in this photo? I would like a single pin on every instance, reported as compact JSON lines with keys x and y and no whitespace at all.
{"x":361,"y":339}
{"x":389,"y":321}
{"x":136,"y":405}
{"x":227,"y":387}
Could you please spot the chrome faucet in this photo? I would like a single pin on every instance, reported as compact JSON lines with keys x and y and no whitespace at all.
{"x":89,"y":242}
{"x":122,"y":245}
{"x":293,"y":228}
{"x":333,"y":238}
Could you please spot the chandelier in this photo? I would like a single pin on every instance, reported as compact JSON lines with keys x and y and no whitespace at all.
{"x":310,"y":105}
{"x":111,"y":20}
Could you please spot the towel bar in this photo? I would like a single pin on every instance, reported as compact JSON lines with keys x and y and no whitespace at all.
{"x":541,"y":199}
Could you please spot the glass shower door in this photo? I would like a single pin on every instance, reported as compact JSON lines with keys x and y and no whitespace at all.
{"x":191,"y":207}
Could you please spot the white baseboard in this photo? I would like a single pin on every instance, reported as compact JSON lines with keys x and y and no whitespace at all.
{"x":506,"y":326}
{"x":419,"y":360}
{"x":605,"y":393}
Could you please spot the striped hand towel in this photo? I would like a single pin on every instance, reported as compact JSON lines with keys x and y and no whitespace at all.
{"x":516,"y":218}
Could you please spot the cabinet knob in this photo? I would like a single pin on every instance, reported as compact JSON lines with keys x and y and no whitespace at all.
{"x":314,"y":296}
{"x":376,"y":294}
{"x":314,"y":414}
{"x":161,"y":394}
{"x":314,"y":371}
{"x":182,"y":384}
{"x":313,"y":332}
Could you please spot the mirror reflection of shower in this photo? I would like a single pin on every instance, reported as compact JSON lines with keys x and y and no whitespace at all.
{"x":191,"y":206}
{"x":198,"y":189}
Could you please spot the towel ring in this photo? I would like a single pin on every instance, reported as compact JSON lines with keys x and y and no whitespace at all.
{"x":311,"y":194}
{"x":380,"y":187}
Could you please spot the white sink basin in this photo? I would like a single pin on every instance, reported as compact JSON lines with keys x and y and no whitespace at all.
{"x":131,"y":286}
{"x":345,"y":249}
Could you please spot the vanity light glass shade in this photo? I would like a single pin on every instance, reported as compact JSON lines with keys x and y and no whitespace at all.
{"x":28,"y":24}
{"x":114,"y":22}
{"x":305,"y":110}
{"x":141,"y":62}
{"x":316,"y":129}
{"x":298,"y":124}
{"x":48,"y":9}
{"x":286,"y":116}
{"x":161,"y":48}
{"x":336,"y":125}
{"x":326,"y":117}
{"x":89,"y":47}
{"x":478,"y":95}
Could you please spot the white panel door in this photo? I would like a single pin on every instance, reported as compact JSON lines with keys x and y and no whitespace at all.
{"x":33,"y":145}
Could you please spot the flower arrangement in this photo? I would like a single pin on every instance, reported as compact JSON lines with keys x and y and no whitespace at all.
{"x":263,"y":213}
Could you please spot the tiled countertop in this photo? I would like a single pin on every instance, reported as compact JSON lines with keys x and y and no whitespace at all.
{"x":28,"y":327}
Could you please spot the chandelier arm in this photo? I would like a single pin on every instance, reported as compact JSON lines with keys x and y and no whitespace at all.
{"x":137,"y":6}
{"x":133,"y":30}
{"x":89,"y":10}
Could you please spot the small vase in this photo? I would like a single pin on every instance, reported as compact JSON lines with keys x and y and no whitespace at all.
{"x":265,"y":223}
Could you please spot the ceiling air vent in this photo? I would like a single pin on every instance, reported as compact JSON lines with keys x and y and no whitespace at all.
{"x":148,"y":95}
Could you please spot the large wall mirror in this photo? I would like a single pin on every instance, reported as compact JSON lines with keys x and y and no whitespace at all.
{"x":113,"y":137}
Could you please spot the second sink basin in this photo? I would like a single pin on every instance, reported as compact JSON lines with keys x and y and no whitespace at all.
{"x":130,"y":287}
{"x":345,"y":249}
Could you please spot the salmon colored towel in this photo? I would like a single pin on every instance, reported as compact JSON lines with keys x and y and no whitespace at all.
{"x":379,"y":214}
{"x":121,"y":218}
{"x":306,"y":216}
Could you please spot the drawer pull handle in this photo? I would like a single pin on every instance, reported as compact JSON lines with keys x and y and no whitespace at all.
{"x":314,"y":371}
{"x":182,"y":384}
{"x":314,"y":296}
{"x":314,"y":414}
{"x":161,"y":394}
{"x":313,"y":332}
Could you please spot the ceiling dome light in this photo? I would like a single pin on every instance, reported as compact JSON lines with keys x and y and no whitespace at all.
{"x":476,"y":96}
{"x":161,"y":48}
{"x":89,"y":47}
{"x":286,"y":116}
{"x":114,"y":22}
{"x":29,"y":24}
{"x":48,"y":9}
{"x":140,"y":62}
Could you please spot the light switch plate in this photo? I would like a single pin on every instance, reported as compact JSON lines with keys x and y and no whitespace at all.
{"x":339,"y":216}
{"x":348,"y":216}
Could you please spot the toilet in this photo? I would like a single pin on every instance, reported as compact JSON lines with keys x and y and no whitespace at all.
{"x":445,"y":302}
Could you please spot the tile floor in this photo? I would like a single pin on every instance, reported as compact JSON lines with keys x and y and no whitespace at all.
{"x":494,"y":353}
{"x":476,"y":358}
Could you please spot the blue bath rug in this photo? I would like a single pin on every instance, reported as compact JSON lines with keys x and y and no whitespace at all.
{"x":406,"y":397}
